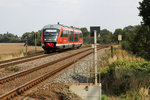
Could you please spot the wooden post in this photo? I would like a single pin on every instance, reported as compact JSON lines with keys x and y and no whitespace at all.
{"x":35,"y":42}
{"x":112,"y":52}
{"x":26,"y":49}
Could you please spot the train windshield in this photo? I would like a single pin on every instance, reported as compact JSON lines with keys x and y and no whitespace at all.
{"x":51,"y":32}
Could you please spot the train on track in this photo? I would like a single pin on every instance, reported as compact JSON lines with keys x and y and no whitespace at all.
{"x":57,"y":36}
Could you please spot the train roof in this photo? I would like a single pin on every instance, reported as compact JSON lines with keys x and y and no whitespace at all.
{"x":57,"y":26}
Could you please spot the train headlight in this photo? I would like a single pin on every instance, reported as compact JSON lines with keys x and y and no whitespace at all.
{"x":45,"y":39}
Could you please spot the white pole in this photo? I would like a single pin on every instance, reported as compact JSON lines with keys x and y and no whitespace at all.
{"x":95,"y":55}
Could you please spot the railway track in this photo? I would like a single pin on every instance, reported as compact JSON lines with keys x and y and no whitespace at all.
{"x":15,"y":75}
{"x":10,"y":62}
{"x":20,"y":89}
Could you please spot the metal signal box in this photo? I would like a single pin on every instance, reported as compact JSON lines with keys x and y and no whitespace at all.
{"x":92,"y":28}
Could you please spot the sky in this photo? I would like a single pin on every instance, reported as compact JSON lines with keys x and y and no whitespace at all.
{"x":20,"y":16}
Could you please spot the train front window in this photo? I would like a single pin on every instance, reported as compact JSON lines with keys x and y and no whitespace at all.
{"x":51,"y":32}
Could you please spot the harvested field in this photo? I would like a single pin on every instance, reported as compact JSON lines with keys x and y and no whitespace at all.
{"x":13,"y":50}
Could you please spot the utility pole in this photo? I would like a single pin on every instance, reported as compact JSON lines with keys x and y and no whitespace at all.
{"x":95,"y":55}
{"x":26,"y":44}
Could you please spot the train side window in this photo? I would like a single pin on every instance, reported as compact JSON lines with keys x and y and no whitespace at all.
{"x":76,"y":37}
{"x":80,"y":35}
{"x":71,"y":36}
{"x":65,"y":33}
{"x":62,"y":34}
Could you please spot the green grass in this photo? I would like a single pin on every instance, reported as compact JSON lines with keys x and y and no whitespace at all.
{"x":70,"y":52}
{"x":104,"y":97}
{"x":13,"y":69}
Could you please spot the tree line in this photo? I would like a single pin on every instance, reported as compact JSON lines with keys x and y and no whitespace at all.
{"x":9,"y":38}
{"x":135,"y":39}
{"x":28,"y":36}
{"x":106,"y":36}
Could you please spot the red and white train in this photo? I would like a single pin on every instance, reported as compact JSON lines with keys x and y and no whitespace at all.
{"x":56,"y":36}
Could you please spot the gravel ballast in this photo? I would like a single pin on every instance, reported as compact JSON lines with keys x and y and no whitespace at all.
{"x":68,"y":76}
{"x":31,"y":64}
{"x":78,"y":73}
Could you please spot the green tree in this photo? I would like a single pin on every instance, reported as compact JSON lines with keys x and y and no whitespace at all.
{"x":86,"y":36}
{"x":30,"y":37}
{"x":85,"y":32}
{"x":39,"y":38}
{"x":105,"y":37}
{"x":117,"y":32}
{"x":145,"y":11}
{"x":138,"y":41}
{"x":9,"y":38}
{"x":128,"y":31}
{"x":129,"y":34}
{"x":141,"y":42}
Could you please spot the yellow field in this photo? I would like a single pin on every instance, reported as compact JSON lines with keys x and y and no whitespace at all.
{"x":13,"y":50}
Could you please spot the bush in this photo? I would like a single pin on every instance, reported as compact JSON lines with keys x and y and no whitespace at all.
{"x":122,"y":76}
{"x":139,"y":42}
{"x":104,"y":97}
{"x":125,"y":45}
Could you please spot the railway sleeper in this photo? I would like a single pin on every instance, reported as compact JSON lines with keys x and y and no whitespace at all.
{"x":11,"y":96}
{"x":20,"y":91}
{"x":24,"y":89}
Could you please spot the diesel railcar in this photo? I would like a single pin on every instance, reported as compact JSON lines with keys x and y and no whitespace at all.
{"x":56,"y":36}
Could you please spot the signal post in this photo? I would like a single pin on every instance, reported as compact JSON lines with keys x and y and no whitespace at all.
{"x":95,"y":55}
